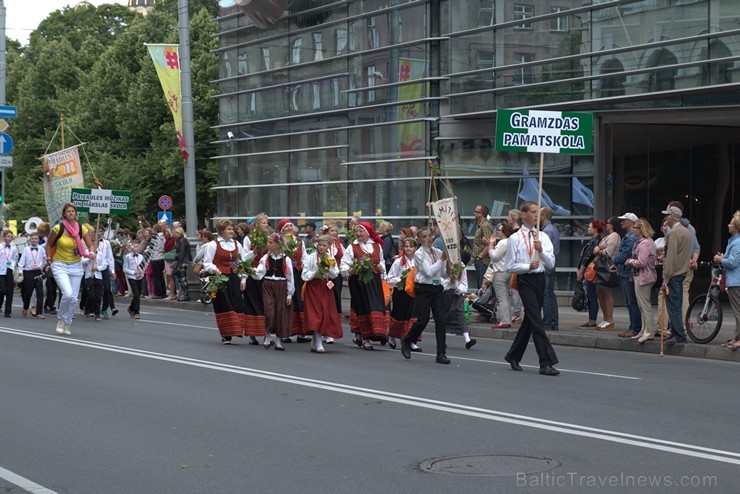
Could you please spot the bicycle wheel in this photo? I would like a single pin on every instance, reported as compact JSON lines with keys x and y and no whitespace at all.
{"x":702,"y":326}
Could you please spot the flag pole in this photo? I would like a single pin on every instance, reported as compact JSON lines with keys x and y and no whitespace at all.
{"x":539,"y":196}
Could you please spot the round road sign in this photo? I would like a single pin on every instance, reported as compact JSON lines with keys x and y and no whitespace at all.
{"x":165,"y":202}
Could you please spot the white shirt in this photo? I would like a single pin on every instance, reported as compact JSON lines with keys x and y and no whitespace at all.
{"x":497,"y":256}
{"x":248,"y":254}
{"x":430,"y":268}
{"x":8,"y":256}
{"x":459,"y":284}
{"x":209,"y":251}
{"x":31,"y":257}
{"x":520,"y":252}
{"x":261,"y":271}
{"x":104,"y":255}
{"x":311,"y":268}
{"x":131,"y":264}
{"x":349,"y":256}
{"x":399,"y":266}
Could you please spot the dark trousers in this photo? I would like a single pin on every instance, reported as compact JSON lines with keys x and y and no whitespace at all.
{"x":429,"y":297}
{"x":630,"y":301}
{"x":94,"y":294}
{"x":121,"y":280}
{"x":181,"y":276}
{"x":673,"y":304}
{"x":550,"y":305}
{"x":107,"y":292}
{"x":51,"y":293}
{"x":31,"y":284}
{"x":532,"y":293}
{"x":480,"y":270}
{"x":136,"y":287}
{"x":158,"y":277}
{"x":593,"y":301}
{"x":6,"y":290}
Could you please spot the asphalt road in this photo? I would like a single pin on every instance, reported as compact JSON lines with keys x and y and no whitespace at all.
{"x":160,"y":406}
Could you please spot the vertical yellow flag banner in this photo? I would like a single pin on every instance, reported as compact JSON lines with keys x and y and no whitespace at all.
{"x":167,"y":62}
{"x":412,"y":141}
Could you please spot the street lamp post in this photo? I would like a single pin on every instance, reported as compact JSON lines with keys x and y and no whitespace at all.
{"x":191,"y":211}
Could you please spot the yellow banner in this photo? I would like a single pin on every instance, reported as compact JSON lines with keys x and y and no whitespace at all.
{"x":412,"y":140}
{"x":167,"y":62}
{"x":62,"y":173}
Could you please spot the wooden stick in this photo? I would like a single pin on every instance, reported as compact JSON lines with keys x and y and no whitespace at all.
{"x":539,"y":197}
{"x":662,"y":319}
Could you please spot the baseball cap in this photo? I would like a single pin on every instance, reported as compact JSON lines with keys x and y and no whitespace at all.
{"x":311,"y":224}
{"x":673,"y":211}
{"x":629,"y":216}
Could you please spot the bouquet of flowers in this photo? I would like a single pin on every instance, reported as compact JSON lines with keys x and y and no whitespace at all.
{"x":455,"y":270}
{"x":290,"y":245}
{"x":350,"y":236}
{"x":244,"y":267}
{"x":401,"y":285}
{"x":258,"y":239}
{"x":215,"y":283}
{"x":310,"y":248}
{"x":119,"y":248}
{"x":325,"y":263}
{"x":364,"y":269}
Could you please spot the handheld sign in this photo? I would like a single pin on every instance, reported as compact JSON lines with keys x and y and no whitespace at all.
{"x":535,"y":131}
{"x":101,"y":201}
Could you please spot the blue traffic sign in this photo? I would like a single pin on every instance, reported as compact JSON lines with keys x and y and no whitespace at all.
{"x":165,"y":216}
{"x":6,"y":144}
{"x":8,"y":112}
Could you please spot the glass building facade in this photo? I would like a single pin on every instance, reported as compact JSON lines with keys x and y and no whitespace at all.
{"x":337,"y":108}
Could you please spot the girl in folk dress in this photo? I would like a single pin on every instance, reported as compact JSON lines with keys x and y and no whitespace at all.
{"x":276,"y":273}
{"x":453,"y":297}
{"x":286,"y":228}
{"x":220,"y":256}
{"x":402,"y":313}
{"x":336,"y":250}
{"x":254,"y":313}
{"x":367,"y":315}
{"x":321,"y":318}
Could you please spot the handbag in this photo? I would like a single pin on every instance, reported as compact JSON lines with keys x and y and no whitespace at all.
{"x":579,"y":301}
{"x":169,"y":256}
{"x":590,"y":273}
{"x":197,"y":267}
{"x":513,"y":283}
{"x":386,"y":293}
{"x":606,"y":272}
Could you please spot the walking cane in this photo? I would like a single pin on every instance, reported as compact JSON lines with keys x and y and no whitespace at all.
{"x":662,"y":319}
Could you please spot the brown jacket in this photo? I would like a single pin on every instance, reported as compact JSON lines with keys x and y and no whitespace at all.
{"x":678,"y":252}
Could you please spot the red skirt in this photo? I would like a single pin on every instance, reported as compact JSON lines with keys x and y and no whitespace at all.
{"x":367,"y":309}
{"x":402,"y":314}
{"x":320,"y":311}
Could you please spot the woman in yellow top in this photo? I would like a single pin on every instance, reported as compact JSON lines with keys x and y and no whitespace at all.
{"x":65,"y":252}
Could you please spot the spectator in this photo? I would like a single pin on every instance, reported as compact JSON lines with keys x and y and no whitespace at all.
{"x":642,"y":265}
{"x":628,"y":287}
{"x":550,"y":306}
{"x":693,"y":264}
{"x":310,"y":229}
{"x":483,"y":232}
{"x":390,"y":248}
{"x":675,"y":268}
{"x":596,"y":230}
{"x":181,"y":263}
{"x":501,"y":278}
{"x":607,"y":247}
{"x":514,"y":218}
{"x":730,"y":261}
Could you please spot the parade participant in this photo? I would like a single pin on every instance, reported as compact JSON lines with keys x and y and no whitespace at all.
{"x":106,"y":266}
{"x":135,"y":277}
{"x":122,"y":240}
{"x":367,"y":302}
{"x":730,"y":261}
{"x":157,"y":259}
{"x":144,"y":242}
{"x":68,"y":243}
{"x":336,"y":250}
{"x":453,"y":297}
{"x":220,"y":257}
{"x":254,"y":313}
{"x":9,"y":259}
{"x":92,"y":285}
{"x":51,"y":285}
{"x":32,"y":263}
{"x":276,"y":273}
{"x":528,"y":254}
{"x":497,"y":247}
{"x":402,"y":304}
{"x":288,"y":234}
{"x":319,"y":273}
{"x":429,"y":268}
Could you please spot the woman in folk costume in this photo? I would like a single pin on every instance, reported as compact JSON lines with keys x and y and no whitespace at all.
{"x":402,"y":311}
{"x":288,"y":233}
{"x":320,"y":272}
{"x":336,"y":250}
{"x":367,"y":314}
{"x":220,"y":256}
{"x":276,"y":273}
{"x":254,"y":313}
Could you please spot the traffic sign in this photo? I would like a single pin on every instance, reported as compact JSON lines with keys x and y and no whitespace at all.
{"x":165,"y":202}
{"x":4,"y":125}
{"x":165,"y":216}
{"x":6,"y":162}
{"x":8,"y":111}
{"x":6,"y":143}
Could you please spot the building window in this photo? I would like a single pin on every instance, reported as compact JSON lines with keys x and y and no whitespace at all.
{"x":559,"y":24}
{"x":252,"y":109}
{"x":318,"y":46}
{"x":524,"y":74}
{"x":242,"y":64}
{"x":371,"y":75}
{"x":295,"y":52}
{"x":335,"y":92}
{"x":266,"y":58}
{"x":295,"y":95}
{"x":353,"y":32}
{"x":613,"y":85}
{"x":316,"y":96}
{"x":487,"y":14}
{"x":486,"y":60}
{"x":522,"y":12}
{"x":373,"y":39}
{"x":340,"y":41}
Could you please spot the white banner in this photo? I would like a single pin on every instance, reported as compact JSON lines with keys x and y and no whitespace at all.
{"x":445,"y":212}
{"x":62,"y":172}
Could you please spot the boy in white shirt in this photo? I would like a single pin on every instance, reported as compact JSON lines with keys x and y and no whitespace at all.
{"x":135,"y":276}
{"x":93,"y":282}
{"x":33,"y":261}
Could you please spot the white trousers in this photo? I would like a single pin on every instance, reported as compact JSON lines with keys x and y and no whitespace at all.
{"x":68,"y":277}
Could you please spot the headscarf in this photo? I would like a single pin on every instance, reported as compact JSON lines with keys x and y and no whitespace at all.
{"x":282,"y":223}
{"x":368,"y":227}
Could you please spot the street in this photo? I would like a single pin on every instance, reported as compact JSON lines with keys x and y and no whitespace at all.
{"x":160,"y":406}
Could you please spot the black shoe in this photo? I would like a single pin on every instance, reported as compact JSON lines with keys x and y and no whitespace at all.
{"x":471,"y":343}
{"x":417,"y":349}
{"x":254,"y":342}
{"x":554,"y":328}
{"x":442,"y":359}
{"x":226,"y":340}
{"x":406,"y":349}
{"x":279,"y":349}
{"x":114,"y":312}
{"x":8,"y":315}
{"x":286,"y":340}
{"x":383,"y":342}
{"x":303,"y":339}
{"x":514,"y":364}
{"x":392,"y":345}
{"x":549,"y":370}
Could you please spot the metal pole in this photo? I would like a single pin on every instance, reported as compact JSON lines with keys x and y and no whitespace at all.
{"x":3,"y":48}
{"x":191,"y":211}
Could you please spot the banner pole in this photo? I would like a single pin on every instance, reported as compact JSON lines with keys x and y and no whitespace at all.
{"x":539,"y":196}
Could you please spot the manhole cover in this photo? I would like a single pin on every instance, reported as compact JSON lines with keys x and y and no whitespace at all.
{"x":488,"y":465}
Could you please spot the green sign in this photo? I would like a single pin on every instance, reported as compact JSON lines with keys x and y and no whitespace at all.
{"x":101,"y":201}
{"x":535,"y":131}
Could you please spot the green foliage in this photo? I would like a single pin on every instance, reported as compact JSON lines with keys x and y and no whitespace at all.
{"x":90,"y":65}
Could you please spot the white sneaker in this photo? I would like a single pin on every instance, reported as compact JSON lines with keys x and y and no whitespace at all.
{"x":67,"y":329}
{"x":328,"y":340}
{"x":60,"y":326}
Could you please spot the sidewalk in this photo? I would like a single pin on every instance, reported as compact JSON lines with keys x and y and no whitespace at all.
{"x":569,"y":334}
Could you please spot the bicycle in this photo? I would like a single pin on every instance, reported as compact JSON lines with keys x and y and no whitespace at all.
{"x":704,"y":316}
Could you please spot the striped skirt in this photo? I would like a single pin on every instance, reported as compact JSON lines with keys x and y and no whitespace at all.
{"x":367,"y":313}
{"x":402,"y":314}
{"x":277,"y":311}
{"x":229,"y":308}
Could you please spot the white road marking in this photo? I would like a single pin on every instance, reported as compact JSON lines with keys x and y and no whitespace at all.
{"x":24,"y":483}
{"x":454,"y":408}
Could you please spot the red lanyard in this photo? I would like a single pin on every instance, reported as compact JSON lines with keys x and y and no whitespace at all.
{"x":530,"y":247}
